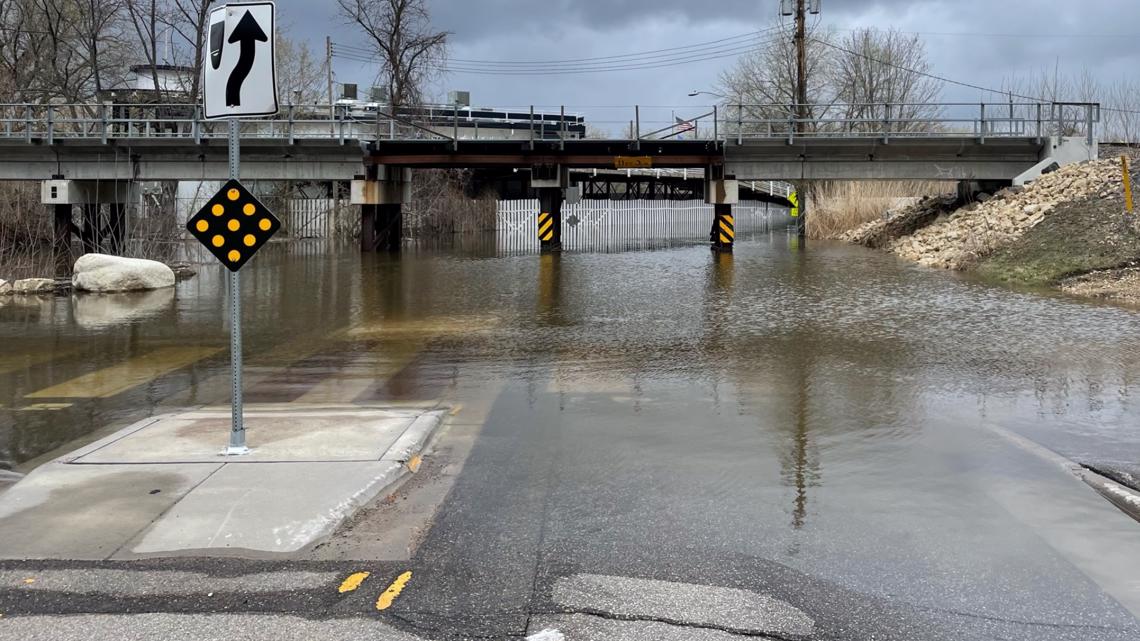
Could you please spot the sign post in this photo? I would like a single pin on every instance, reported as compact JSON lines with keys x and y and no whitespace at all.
{"x":240,"y":80}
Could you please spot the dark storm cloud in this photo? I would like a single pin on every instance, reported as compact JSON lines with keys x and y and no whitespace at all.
{"x":560,"y":29}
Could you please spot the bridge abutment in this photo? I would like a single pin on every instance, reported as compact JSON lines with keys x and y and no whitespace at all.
{"x":62,"y":195}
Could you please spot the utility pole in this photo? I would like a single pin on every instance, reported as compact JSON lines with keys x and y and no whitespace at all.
{"x":801,"y":64}
{"x":328,"y":68}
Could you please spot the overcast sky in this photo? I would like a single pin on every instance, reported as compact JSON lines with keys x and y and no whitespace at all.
{"x":1005,"y":38}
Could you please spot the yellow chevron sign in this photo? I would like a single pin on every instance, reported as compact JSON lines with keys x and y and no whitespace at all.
{"x":545,"y":227}
{"x":794,"y":198}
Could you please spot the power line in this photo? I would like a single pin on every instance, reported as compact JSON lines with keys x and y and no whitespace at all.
{"x":617,"y":58}
{"x":956,"y":82}
{"x":672,"y":60}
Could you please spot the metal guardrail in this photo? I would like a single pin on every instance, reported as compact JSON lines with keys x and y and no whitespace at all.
{"x":723,"y":123}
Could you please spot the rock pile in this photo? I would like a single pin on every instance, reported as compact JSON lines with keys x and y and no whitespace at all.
{"x":979,"y":229}
{"x":900,"y":222}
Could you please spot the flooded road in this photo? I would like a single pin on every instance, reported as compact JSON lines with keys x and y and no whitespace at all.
{"x":823,"y":421}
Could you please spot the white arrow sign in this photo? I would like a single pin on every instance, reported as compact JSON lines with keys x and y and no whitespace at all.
{"x":239,"y":70}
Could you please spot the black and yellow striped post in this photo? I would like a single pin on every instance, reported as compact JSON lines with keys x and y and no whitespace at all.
{"x":724,"y":228}
{"x":550,"y":218}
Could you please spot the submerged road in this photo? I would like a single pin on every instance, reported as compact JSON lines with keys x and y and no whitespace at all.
{"x":666,"y":445}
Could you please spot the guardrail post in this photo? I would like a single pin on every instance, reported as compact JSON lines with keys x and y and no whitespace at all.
{"x":1038,"y":123}
{"x":103,"y":121}
{"x":455,"y":126}
{"x":983,"y":137}
{"x":791,"y":126}
{"x":716,"y":126}
{"x":50,"y":125}
{"x":740,"y":123}
{"x":637,"y":124}
{"x":340,"y":122}
{"x":28,"y":123}
{"x":1089,"y":124}
{"x":886,"y":123}
{"x":562,"y":128}
{"x":532,"y":127}
{"x":290,"y":124}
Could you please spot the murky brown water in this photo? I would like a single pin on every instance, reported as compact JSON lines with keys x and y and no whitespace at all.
{"x":831,"y":340}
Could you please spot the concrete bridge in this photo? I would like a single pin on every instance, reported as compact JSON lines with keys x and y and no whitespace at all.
{"x":93,"y":154}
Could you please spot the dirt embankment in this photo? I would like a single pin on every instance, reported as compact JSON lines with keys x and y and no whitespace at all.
{"x":1067,"y":229}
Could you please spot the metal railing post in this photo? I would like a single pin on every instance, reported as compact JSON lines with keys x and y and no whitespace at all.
{"x":1039,"y":123}
{"x":291,"y":124}
{"x":562,"y":128}
{"x":716,"y":125}
{"x":886,"y":123}
{"x":740,"y":122}
{"x":1089,"y":124}
{"x":455,"y":126}
{"x":103,"y":121}
{"x":341,"y":118}
{"x":532,"y":127}
{"x":791,"y":126}
{"x":637,"y":125}
{"x":983,"y":128}
{"x":50,"y":125}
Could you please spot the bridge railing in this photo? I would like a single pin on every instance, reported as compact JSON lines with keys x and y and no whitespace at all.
{"x":909,"y":120}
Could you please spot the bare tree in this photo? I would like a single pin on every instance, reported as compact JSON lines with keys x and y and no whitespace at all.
{"x":189,"y":19}
{"x":301,"y":76}
{"x":883,"y":75}
{"x":407,"y":47}
{"x":146,"y":16}
{"x":99,"y":30}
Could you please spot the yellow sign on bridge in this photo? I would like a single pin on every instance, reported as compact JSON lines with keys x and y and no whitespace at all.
{"x":633,"y":162}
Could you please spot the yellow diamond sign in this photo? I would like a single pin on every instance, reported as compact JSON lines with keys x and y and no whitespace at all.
{"x":233,"y":225}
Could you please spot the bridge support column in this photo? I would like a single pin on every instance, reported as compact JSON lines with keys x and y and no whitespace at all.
{"x":722,"y":192}
{"x":61,"y":195}
{"x":61,"y":243}
{"x":381,"y":199}
{"x":550,"y":219}
{"x":724,"y":228}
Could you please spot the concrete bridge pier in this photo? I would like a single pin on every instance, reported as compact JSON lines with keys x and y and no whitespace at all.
{"x":62,"y":195}
{"x":550,"y":181}
{"x":722,"y":192}
{"x":381,"y":197}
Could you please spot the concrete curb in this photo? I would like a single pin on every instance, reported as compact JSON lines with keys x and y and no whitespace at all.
{"x":415,"y":437}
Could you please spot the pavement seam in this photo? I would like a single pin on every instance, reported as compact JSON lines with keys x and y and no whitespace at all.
{"x":161,"y":514}
{"x":610,"y":616}
{"x":538,"y":550}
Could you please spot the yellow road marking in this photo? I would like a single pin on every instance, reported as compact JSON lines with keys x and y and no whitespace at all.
{"x":45,"y":406}
{"x":353,"y":581}
{"x":29,"y":581}
{"x":393,"y":591}
{"x":414,"y":463}
{"x":122,"y":377}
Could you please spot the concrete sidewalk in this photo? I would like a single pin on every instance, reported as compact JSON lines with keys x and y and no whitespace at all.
{"x":162,"y":487}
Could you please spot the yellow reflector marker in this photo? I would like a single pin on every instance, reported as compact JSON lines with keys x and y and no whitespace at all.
{"x":249,"y":209}
{"x":202,"y":225}
{"x":249,"y":240}
{"x":233,"y":224}
{"x":352,"y":582}
{"x":233,"y":194}
{"x":393,"y":591}
{"x":218,"y":240}
{"x":217,"y":210}
{"x":264,"y":224}
{"x":234,"y":255}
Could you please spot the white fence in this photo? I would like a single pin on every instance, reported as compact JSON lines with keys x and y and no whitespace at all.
{"x":627,"y":224}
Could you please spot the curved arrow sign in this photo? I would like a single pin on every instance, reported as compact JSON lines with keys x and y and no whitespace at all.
{"x":239,"y":75}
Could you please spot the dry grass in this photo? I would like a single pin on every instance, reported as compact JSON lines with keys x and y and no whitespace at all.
{"x":835,"y":207}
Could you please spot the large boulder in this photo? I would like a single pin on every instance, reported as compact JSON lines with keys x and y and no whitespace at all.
{"x":103,"y":273}
{"x":34,"y":286}
{"x":5,"y":287}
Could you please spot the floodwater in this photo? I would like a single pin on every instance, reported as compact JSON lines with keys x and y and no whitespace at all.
{"x":841,"y":342}
{"x":823,"y":422}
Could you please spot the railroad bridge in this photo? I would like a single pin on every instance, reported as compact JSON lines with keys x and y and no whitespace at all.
{"x":95,"y":154}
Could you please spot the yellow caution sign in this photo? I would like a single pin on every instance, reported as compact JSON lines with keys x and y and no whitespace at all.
{"x":633,"y":162}
{"x":545,"y":227}
{"x":794,"y":198}
{"x":726,"y":229}
{"x":233,"y":225}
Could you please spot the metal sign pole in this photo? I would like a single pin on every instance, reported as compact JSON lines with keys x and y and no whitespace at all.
{"x":237,"y":430}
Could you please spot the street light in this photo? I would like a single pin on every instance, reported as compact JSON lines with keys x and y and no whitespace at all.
{"x":694,"y":93}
